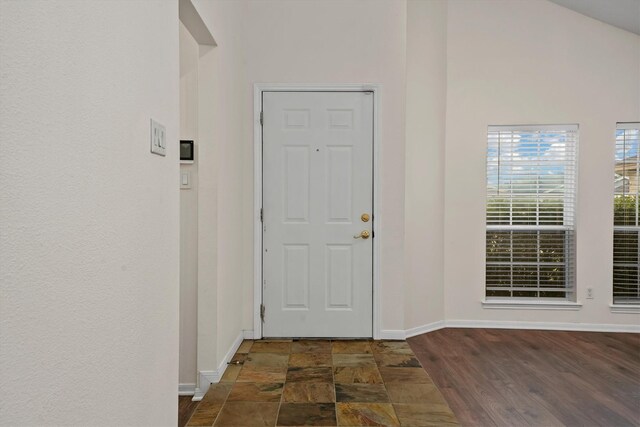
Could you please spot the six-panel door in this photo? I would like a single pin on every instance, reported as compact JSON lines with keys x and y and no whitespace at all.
{"x":317,"y":184}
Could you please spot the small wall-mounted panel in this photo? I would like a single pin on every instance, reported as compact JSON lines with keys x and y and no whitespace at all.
{"x":186,"y":150}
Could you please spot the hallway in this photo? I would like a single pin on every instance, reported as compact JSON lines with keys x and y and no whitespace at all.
{"x":319,"y":382}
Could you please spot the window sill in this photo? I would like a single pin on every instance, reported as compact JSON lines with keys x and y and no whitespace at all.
{"x":186,"y":162}
{"x":531,"y":305}
{"x":625,"y":308}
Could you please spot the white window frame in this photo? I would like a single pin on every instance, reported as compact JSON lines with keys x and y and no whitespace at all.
{"x":570,"y":226}
{"x":619,"y":306}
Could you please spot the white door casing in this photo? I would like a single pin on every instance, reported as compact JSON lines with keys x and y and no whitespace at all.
{"x":317,"y":183}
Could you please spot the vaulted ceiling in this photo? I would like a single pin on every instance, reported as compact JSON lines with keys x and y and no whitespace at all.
{"x":623,"y":14}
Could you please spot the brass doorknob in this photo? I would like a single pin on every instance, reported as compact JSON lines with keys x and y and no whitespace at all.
{"x":364,"y":235}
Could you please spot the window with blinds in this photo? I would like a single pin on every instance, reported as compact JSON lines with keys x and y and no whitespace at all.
{"x":531,"y":191}
{"x":626,"y":225}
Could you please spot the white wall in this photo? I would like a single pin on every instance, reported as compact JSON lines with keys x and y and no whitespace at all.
{"x":424,"y":163}
{"x":89,"y":252}
{"x":207,"y":215}
{"x":230,"y":134}
{"x":254,"y":45}
{"x":452,"y":73}
{"x":222,"y":90}
{"x":320,"y":41}
{"x":189,"y":53}
{"x":512,"y":62}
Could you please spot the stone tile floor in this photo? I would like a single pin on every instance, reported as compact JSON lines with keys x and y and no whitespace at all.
{"x":324,"y":383}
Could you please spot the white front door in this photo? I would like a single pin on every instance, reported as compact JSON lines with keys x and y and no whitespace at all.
{"x":317,"y":201}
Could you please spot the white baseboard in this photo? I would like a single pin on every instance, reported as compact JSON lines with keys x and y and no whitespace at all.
{"x":227,"y":357}
{"x":398,"y":334}
{"x":206,"y":379}
{"x":550,"y":326}
{"x":248,"y":334}
{"x":211,"y":377}
{"x":186,"y":389}
{"x":429,"y":327}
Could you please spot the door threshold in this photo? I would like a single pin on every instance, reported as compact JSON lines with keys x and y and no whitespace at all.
{"x":315,"y":339}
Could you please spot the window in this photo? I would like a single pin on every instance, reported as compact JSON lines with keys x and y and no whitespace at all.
{"x":531,"y":191}
{"x":626,"y":226}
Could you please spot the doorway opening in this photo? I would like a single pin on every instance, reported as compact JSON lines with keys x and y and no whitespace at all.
{"x":316,"y":198}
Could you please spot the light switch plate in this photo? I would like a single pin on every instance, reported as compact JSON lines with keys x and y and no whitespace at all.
{"x":185,"y":180}
{"x":158,"y":138}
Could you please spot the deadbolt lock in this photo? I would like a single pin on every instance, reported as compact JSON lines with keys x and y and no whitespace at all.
{"x":365,"y":217}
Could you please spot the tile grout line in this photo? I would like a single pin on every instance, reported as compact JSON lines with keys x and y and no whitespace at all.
{"x":384,"y":384}
{"x":223,"y":403}
{"x":333,"y":377}
{"x":284,"y":382}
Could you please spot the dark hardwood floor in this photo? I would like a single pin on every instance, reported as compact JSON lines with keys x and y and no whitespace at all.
{"x":501,"y":377}
{"x":185,"y":409}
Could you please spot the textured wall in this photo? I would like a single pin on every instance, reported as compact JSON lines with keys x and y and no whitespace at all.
{"x":515,"y":62}
{"x":329,"y":42}
{"x":89,"y":219}
{"x":188,"y":210}
{"x":221,"y":174}
{"x":424,"y":162}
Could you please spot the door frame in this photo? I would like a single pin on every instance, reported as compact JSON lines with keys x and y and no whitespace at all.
{"x":258,"y":89}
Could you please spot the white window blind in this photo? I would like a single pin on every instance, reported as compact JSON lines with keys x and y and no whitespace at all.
{"x":626,"y":225}
{"x":531,"y":188}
